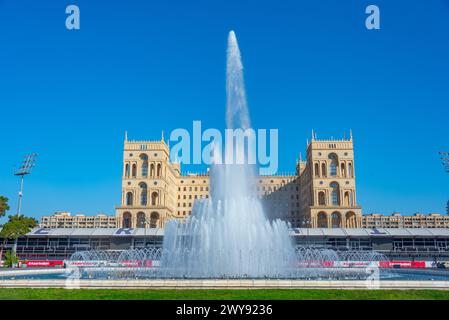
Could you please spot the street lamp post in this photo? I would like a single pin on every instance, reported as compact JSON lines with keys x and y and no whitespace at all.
{"x":145,"y":232}
{"x":306,"y":223}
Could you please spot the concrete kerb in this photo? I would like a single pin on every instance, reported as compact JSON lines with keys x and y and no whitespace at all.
{"x":225,"y":284}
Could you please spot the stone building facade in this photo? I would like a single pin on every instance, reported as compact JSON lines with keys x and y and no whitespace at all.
{"x":321,"y":193}
{"x":64,"y":219}
{"x":396,"y":220}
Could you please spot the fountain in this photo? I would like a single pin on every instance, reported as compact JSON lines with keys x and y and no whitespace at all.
{"x":228,"y":234}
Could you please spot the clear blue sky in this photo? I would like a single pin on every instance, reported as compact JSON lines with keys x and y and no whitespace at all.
{"x":148,"y":66}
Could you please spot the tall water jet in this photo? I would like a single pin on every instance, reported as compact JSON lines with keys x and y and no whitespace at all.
{"x":228,"y":234}
{"x":236,"y":106}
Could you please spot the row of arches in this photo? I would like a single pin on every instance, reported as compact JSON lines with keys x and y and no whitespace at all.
{"x":146,"y":170}
{"x":335,"y":195}
{"x":141,"y":221}
{"x":143,"y":200}
{"x":335,"y":169}
{"x":336,"y":220}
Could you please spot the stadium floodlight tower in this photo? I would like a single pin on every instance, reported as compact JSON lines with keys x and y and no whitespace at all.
{"x":25,"y":169}
{"x":445,"y":161}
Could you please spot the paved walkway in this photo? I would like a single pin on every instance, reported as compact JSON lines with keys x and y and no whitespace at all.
{"x":222,"y":284}
{"x":20,"y":272}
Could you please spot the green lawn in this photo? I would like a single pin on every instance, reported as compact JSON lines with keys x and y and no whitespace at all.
{"x":270,"y":294}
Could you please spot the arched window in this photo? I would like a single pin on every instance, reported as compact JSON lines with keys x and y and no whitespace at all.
{"x":350,"y":170}
{"x":351,"y":221}
{"x":343,"y":170}
{"x":152,"y":170}
{"x":336,"y":220}
{"x":334,"y":164}
{"x":321,"y":198}
{"x":347,"y":201}
{"x":134,"y":173}
{"x":317,"y":170}
{"x":154,"y":219}
{"x":323,"y":170}
{"x":144,"y":159}
{"x":140,"y":220}
{"x":126,"y":222}
{"x":159,"y":170}
{"x":335,"y":198}
{"x":322,"y":220}
{"x":154,"y":197}
{"x":127,"y":170}
{"x":129,"y":199}
{"x":143,"y":193}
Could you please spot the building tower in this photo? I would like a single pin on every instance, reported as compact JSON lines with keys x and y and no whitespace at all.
{"x":328,"y":189}
{"x":148,"y":185}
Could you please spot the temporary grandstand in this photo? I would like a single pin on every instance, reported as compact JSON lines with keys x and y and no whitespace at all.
{"x":414,"y":243}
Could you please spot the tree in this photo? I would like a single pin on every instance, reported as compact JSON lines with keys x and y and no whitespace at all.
{"x":16,"y":227}
{"x":11,"y":259}
{"x":3,"y":206}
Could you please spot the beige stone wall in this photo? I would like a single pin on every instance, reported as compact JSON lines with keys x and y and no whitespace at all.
{"x":280,"y":197}
{"x":190,"y":188}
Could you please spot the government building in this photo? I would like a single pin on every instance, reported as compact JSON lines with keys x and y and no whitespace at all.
{"x":321,"y":193}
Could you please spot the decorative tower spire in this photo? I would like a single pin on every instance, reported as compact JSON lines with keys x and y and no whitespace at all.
{"x":300,"y":157}
{"x":162,"y":138}
{"x":126,"y":135}
{"x":313,"y":135}
{"x":350,"y":134}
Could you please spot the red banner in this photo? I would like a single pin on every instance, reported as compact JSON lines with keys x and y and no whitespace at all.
{"x":42,"y":263}
{"x":402,"y":264}
{"x":136,"y":263}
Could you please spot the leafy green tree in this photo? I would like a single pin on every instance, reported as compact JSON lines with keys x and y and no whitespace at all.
{"x":10,"y":259}
{"x":16,"y":227}
{"x":3,"y":206}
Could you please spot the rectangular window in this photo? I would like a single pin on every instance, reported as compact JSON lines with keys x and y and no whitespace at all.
{"x":333,"y":170}
{"x":334,"y":198}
